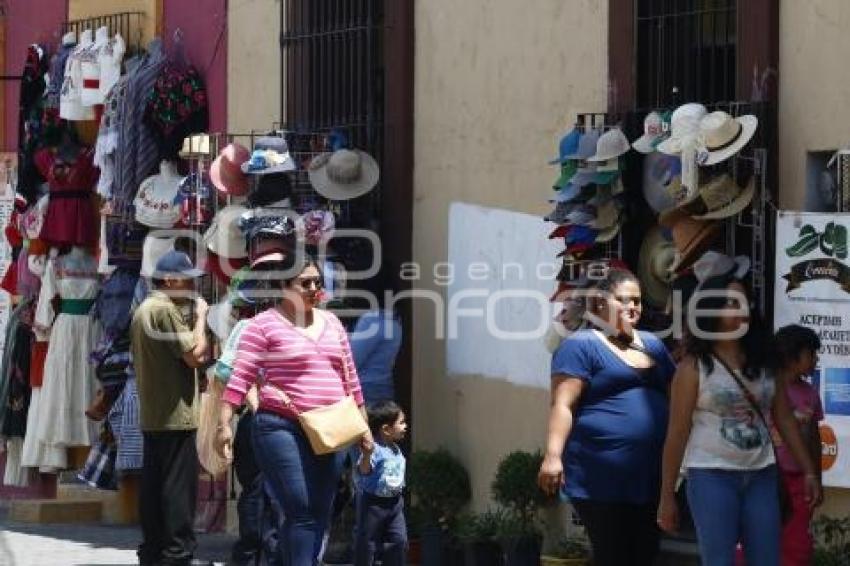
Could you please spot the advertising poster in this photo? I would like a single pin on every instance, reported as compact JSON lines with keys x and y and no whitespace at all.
{"x":813,"y":290}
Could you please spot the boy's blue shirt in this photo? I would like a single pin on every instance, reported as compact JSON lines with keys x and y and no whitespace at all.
{"x":388,"y":469}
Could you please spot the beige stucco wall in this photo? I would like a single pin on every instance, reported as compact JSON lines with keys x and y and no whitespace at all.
{"x":814,"y":114}
{"x":497,"y":82}
{"x":80,"y":9}
{"x":814,"y":79}
{"x":253,"y":65}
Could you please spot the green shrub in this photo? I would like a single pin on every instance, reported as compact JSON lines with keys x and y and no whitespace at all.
{"x":487,"y":526}
{"x":440,"y":485}
{"x":515,"y":485}
{"x":832,"y":541}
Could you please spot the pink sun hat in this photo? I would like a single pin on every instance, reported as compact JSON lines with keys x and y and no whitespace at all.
{"x":226,"y":171}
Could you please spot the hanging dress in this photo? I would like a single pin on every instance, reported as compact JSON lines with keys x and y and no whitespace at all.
{"x":71,"y":218}
{"x":69,"y":376}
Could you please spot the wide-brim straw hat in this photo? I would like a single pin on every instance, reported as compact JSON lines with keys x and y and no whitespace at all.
{"x":724,"y":136}
{"x":344,"y":174}
{"x":655,"y":267}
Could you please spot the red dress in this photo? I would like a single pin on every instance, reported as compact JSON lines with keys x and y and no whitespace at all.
{"x":71,"y":217}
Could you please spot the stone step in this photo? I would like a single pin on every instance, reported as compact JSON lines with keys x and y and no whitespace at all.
{"x":55,"y":511}
{"x":113,"y":506}
{"x":678,"y":552}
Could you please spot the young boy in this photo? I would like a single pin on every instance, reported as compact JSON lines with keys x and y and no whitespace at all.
{"x":796,"y":350}
{"x":380,"y":523}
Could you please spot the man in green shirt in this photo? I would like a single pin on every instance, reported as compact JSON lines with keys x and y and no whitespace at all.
{"x":166,"y":351}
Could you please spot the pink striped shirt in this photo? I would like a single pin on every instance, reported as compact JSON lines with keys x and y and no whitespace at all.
{"x":309,"y":371}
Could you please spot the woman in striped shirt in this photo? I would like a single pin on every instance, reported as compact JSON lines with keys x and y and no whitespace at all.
{"x":303,"y":352}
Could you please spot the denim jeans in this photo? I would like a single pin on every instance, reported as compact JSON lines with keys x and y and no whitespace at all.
{"x":380,"y":529}
{"x":259,"y":517}
{"x":304,"y":484}
{"x":732,"y":506}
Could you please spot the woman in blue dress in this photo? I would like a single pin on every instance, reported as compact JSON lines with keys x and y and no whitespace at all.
{"x":607,"y":424}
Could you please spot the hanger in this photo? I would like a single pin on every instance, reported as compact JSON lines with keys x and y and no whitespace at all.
{"x":836,"y":155}
{"x":68,"y":148}
{"x":178,"y":56}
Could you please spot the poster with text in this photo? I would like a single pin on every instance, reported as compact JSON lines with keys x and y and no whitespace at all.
{"x":813,"y":290}
{"x":8,"y":180}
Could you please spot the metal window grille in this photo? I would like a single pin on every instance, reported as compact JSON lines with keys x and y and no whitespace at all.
{"x":686,"y":50}
{"x":332,"y":57}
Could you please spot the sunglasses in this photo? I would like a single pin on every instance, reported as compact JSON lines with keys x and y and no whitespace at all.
{"x":308,"y":282}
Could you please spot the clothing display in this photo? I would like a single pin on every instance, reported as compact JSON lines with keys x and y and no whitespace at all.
{"x":48,"y":458}
{"x":57,"y":70}
{"x":30,"y":120}
{"x":70,"y":97}
{"x":108,"y":134}
{"x":67,"y":341}
{"x":69,"y":377}
{"x":71,"y":218}
{"x":158,"y":201}
{"x":14,"y":372}
{"x":176,"y":107}
{"x":101,"y":67}
{"x":124,"y":421}
{"x":139,"y":153}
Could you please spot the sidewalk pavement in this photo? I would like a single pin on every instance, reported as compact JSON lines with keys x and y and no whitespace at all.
{"x":84,"y":545}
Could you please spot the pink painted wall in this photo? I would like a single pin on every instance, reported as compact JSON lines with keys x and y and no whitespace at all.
{"x":27,"y":21}
{"x":204,"y":27}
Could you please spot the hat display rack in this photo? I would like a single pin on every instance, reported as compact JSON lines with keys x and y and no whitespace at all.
{"x":744,"y":232}
{"x":200,"y":151}
{"x":574,"y":266}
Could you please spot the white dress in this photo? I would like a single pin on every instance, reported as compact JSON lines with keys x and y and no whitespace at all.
{"x":69,"y":377}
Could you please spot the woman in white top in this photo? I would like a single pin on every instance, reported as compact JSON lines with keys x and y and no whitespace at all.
{"x":718,"y":435}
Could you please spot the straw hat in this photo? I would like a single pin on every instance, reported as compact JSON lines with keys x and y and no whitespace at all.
{"x":724,"y":136}
{"x":655,"y":267}
{"x":719,"y":198}
{"x":223,"y":237}
{"x":684,"y":123}
{"x":692,"y":237}
{"x":344,"y":174}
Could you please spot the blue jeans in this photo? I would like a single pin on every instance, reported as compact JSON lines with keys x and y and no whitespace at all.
{"x":733,"y":506}
{"x":260,"y":518}
{"x":381,"y":529}
{"x":304,"y":484}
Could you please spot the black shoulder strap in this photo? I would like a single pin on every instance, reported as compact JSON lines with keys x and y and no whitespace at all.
{"x":748,"y":395}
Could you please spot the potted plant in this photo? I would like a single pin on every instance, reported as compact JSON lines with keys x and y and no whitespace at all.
{"x":480,"y":537}
{"x":414,"y":520}
{"x":440,"y":488}
{"x":832,"y":541}
{"x":515,"y":489}
{"x":569,"y":551}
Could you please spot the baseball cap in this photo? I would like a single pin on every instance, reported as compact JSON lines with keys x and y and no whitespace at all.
{"x":176,"y":264}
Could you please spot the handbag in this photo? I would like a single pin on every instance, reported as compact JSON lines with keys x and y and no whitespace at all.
{"x":785,"y":504}
{"x":331,"y":428}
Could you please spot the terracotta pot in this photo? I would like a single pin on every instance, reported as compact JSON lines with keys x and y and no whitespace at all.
{"x":414,"y":552}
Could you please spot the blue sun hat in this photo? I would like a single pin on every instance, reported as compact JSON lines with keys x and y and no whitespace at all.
{"x":270,"y":155}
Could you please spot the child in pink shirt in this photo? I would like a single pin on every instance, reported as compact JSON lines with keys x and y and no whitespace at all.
{"x":796,"y":350}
